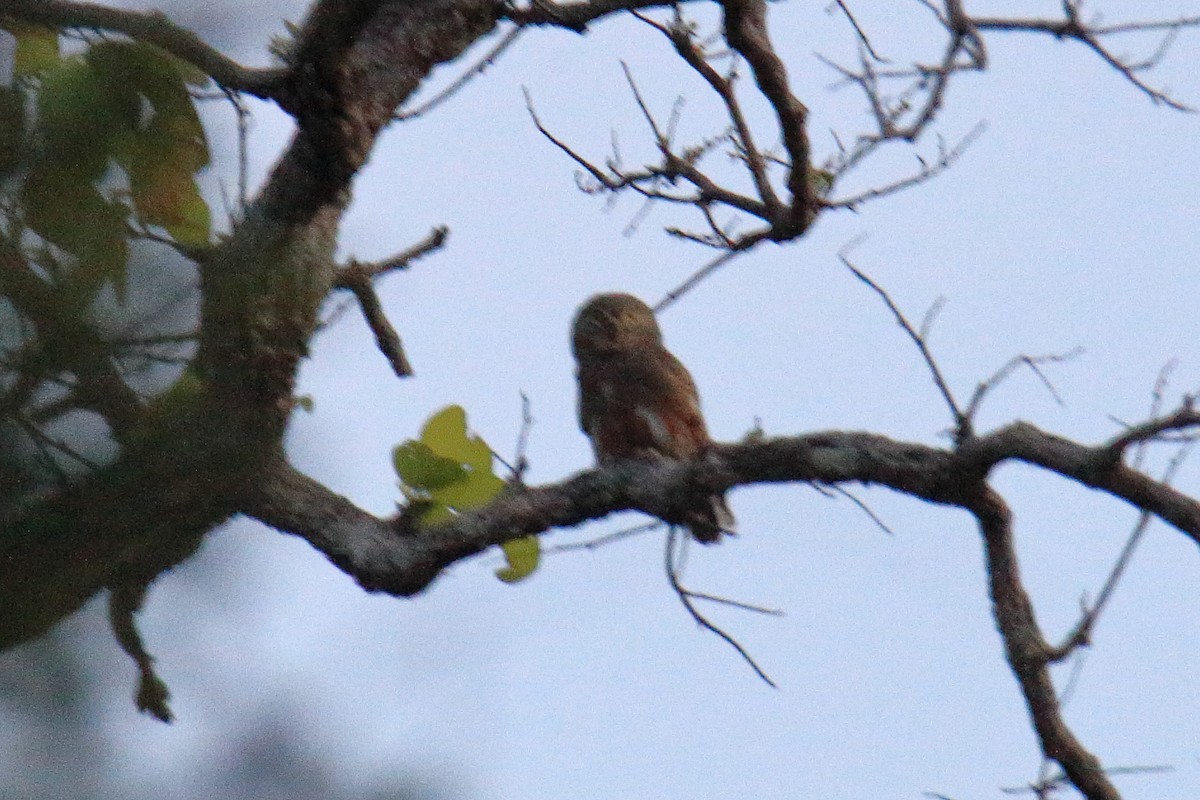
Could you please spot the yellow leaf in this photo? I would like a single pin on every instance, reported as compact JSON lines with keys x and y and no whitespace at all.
{"x":522,"y":555}
{"x":446,"y":435}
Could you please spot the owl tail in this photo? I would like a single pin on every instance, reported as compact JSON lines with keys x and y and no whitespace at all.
{"x":708,"y":522}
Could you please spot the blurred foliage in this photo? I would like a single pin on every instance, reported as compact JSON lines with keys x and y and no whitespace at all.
{"x":101,"y":147}
{"x":57,"y":741}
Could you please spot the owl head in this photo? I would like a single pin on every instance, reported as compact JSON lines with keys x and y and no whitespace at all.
{"x":613,"y":323}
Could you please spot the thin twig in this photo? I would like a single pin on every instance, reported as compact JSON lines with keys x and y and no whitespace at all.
{"x":357,"y":276}
{"x":926,"y":172}
{"x":741,"y":246}
{"x":386,"y":337}
{"x":685,"y":597}
{"x":866,"y":509}
{"x":961,"y":421}
{"x":1033,"y":363}
{"x":520,"y":463}
{"x":862,"y":34}
{"x":1157,"y":398}
{"x":725,"y":601}
{"x":1081,"y":633}
{"x":1071,"y":27}
{"x":355,"y":270}
{"x":601,"y":541}
{"x":454,"y":87}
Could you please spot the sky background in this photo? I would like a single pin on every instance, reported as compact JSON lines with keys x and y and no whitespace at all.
{"x":1070,"y":222}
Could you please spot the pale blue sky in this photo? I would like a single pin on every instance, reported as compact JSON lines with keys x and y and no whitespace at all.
{"x":1070,"y":222}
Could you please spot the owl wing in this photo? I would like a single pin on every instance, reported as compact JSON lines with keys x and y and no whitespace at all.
{"x":641,"y":405}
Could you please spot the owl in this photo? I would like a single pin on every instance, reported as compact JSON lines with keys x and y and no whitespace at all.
{"x":637,"y":401}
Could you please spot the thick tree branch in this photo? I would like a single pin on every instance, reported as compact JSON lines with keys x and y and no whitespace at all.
{"x":393,"y":556}
{"x":381,"y":557}
{"x":1027,"y":652}
{"x":746,"y":32}
{"x":261,"y":288}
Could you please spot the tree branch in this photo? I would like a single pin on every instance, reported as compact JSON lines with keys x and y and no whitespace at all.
{"x":746,"y":32}
{"x":153,"y":27}
{"x":357,"y":276}
{"x":577,"y":16}
{"x":384,"y":557}
{"x":1028,"y":653}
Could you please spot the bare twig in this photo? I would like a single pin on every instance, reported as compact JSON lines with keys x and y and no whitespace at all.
{"x":962,"y":422}
{"x":454,"y":87}
{"x":866,"y":509}
{"x":356,"y":270}
{"x":696,"y":277}
{"x":601,"y":541}
{"x":725,"y":601}
{"x":858,"y":29}
{"x":685,"y":597}
{"x":928,"y":170}
{"x":1081,"y":634}
{"x":357,"y":276}
{"x":520,"y":463}
{"x":1158,"y":396}
{"x":386,"y":337}
{"x":1182,"y":419}
{"x":1034,"y":364}
{"x":1072,"y":27}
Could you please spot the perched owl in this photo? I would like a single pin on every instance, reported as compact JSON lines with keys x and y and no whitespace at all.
{"x":636,"y":401}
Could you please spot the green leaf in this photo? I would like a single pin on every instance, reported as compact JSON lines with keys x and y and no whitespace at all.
{"x":305,"y":402}
{"x":165,"y":194}
{"x":77,"y":118}
{"x":447,"y":469}
{"x":37,"y":48}
{"x":134,"y":67}
{"x":475,"y":490}
{"x":167,"y":147}
{"x":67,"y":210}
{"x":420,"y":468}
{"x":522,"y":555}
{"x":446,"y":435}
